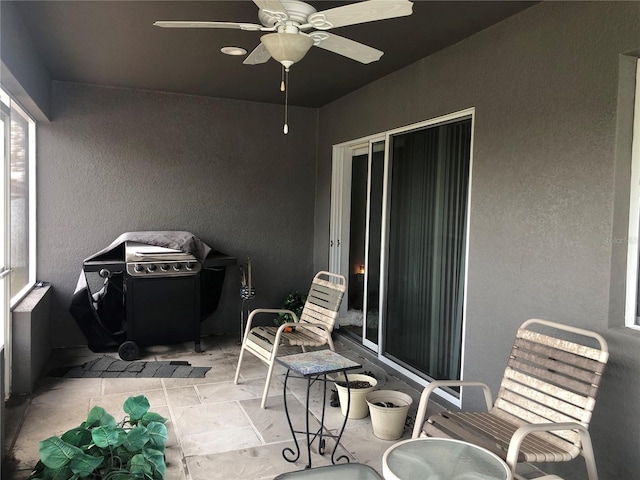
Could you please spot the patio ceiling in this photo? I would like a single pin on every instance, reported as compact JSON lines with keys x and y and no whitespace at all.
{"x":114,"y":43}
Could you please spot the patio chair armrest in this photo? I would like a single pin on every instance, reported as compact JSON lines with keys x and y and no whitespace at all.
{"x":265,"y":310}
{"x":426,"y":393}
{"x":524,"y":430}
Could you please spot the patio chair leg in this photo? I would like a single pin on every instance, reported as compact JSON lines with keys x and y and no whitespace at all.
{"x":330,"y":342}
{"x":235,"y":380}
{"x":587,"y":453}
{"x":266,"y":385}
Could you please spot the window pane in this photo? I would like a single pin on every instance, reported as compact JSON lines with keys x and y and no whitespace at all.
{"x":19,"y":202}
{"x":4,"y":156}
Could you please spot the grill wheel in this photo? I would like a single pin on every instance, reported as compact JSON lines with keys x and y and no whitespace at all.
{"x":129,"y":351}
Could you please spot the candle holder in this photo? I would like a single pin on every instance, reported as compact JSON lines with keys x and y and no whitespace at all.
{"x":247,"y":292}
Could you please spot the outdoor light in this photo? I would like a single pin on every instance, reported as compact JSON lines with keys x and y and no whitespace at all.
{"x":287,"y":48}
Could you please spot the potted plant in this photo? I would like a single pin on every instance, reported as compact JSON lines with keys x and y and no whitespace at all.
{"x":360,"y":384}
{"x":295,"y":302}
{"x":388,"y":410}
{"x":101,"y":448}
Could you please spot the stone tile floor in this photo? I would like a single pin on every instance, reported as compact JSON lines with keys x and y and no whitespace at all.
{"x":217,"y":430}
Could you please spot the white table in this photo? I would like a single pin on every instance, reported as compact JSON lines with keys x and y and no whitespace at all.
{"x":442,"y":459}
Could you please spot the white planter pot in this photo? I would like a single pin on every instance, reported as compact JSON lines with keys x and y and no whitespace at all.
{"x":358,"y":407}
{"x":388,"y":422}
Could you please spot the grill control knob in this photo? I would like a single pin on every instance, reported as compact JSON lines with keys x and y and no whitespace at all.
{"x":138,"y":267}
{"x":177,"y":266}
{"x":189,"y":265}
{"x":151,"y":268}
{"x":164,"y":267}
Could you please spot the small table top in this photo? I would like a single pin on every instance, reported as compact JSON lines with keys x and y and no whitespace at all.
{"x":317,"y":362}
{"x":442,"y":459}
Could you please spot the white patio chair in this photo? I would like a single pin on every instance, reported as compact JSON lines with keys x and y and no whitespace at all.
{"x":544,"y":405}
{"x":312,"y":329}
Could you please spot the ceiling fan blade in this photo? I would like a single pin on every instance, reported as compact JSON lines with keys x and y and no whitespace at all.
{"x":259,"y":55}
{"x":360,"y":12}
{"x":272,"y":5}
{"x":187,"y":24}
{"x":345,"y":47}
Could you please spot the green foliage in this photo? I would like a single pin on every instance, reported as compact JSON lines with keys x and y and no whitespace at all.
{"x":101,"y":448}
{"x":294,"y":302}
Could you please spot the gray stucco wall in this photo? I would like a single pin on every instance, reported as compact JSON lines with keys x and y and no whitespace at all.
{"x":115,"y":160}
{"x":545,"y":88}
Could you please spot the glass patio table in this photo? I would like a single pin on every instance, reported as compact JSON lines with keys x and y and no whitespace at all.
{"x":429,"y":458}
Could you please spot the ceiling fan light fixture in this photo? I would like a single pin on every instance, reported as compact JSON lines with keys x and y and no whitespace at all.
{"x":287,"y":48}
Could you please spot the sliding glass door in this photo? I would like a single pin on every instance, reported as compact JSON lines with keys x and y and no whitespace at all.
{"x":429,"y":182}
{"x":399,"y":231}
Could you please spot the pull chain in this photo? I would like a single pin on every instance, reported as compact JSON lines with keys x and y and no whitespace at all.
{"x":285,"y":83}
{"x":282,"y":81}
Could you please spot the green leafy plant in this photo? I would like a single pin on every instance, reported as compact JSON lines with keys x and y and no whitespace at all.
{"x":294,"y":302}
{"x":101,"y":448}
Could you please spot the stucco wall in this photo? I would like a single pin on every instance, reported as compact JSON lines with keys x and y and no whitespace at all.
{"x":115,"y":160}
{"x":544,"y":84}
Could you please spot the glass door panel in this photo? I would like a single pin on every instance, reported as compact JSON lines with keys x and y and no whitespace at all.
{"x":427,"y":247}
{"x":357,"y":241}
{"x":374,"y":235}
{"x":366,"y":167}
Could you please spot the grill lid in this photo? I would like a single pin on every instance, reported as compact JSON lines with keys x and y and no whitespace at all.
{"x":142,"y":252}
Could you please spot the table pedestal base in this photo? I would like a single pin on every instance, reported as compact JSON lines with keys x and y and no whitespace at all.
{"x":288,"y":453}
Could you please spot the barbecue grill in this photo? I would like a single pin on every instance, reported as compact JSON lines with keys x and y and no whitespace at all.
{"x":158,"y":287}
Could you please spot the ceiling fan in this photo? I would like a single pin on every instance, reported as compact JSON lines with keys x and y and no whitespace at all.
{"x":296,"y":26}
